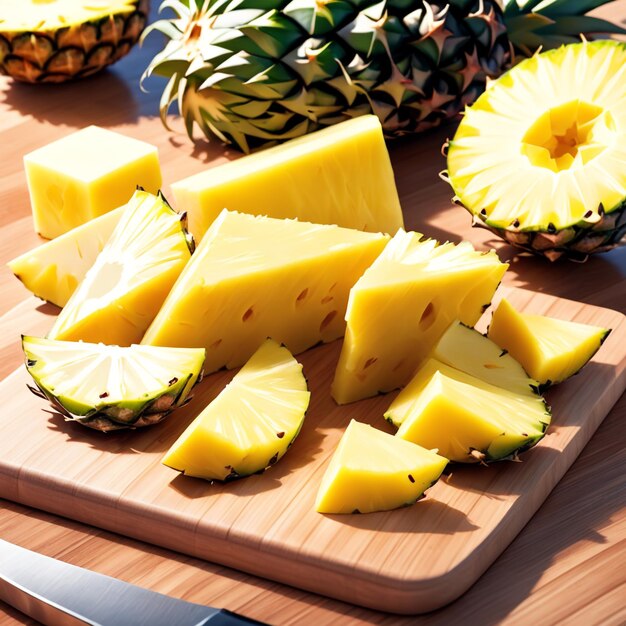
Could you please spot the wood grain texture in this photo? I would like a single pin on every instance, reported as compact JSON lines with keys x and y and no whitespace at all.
{"x":407,"y":561}
{"x":562,"y":568}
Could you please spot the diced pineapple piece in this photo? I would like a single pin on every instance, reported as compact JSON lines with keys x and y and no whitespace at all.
{"x":466,"y":419}
{"x":251,"y":423}
{"x":124,"y":289}
{"x":257,"y":277}
{"x":465,"y":349}
{"x":86,"y":174}
{"x":551,"y":350}
{"x":374,"y":471}
{"x":339,"y":175}
{"x":403,"y":304}
{"x":53,"y":270}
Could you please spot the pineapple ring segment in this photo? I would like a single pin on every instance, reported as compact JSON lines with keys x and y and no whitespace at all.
{"x":47,"y":15}
{"x":544,"y":148}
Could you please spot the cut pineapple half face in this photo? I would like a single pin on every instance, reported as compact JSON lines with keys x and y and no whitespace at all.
{"x":551,"y":350}
{"x":122,"y":292}
{"x":544,"y":149}
{"x":374,"y":471}
{"x":465,"y":349}
{"x":466,"y":419}
{"x":112,"y":387}
{"x":251,"y":423}
{"x":41,"y":15}
{"x":402,"y":305}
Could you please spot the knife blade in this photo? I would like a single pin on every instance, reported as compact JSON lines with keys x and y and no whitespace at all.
{"x":58,"y":593}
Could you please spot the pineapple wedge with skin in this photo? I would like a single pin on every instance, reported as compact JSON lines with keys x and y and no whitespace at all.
{"x":53,"y":270}
{"x":122,"y":292}
{"x":466,"y":349}
{"x":402,"y":305}
{"x":468,"y":420}
{"x":311,"y":173}
{"x":374,"y":471}
{"x":254,"y":277}
{"x":111,"y":387}
{"x":252,"y":422}
{"x":551,"y":350}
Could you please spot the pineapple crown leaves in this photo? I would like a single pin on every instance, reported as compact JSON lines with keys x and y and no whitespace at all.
{"x":253,"y":72}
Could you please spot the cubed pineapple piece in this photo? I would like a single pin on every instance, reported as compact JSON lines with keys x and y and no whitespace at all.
{"x":53,"y":270}
{"x":251,"y":423}
{"x":402,"y":305}
{"x":86,"y":174}
{"x":374,"y":471}
{"x":339,"y":175}
{"x":466,"y":349}
{"x":466,"y":419}
{"x":254,"y":277}
{"x":122,"y":292}
{"x":551,"y":350}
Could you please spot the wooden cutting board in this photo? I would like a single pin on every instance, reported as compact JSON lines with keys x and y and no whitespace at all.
{"x":407,"y":561}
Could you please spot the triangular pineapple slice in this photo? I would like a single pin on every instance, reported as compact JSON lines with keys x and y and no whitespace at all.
{"x":468,"y":420}
{"x":109,"y":387}
{"x":374,"y":471}
{"x":257,"y":277}
{"x":402,"y":305}
{"x":465,"y":349}
{"x":124,"y":289}
{"x":251,"y":423}
{"x":551,"y":350}
{"x":53,"y":270}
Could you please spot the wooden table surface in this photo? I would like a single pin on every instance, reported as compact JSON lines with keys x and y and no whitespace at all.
{"x":565,"y":567}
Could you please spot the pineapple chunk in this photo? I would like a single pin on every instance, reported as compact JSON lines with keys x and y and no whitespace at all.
{"x":251,"y":423}
{"x":339,"y":175}
{"x":466,"y":419}
{"x":108,"y":387}
{"x":551,"y":350}
{"x":86,"y":174}
{"x":402,"y":305}
{"x":257,"y":277}
{"x":124,"y":289}
{"x":374,"y":471}
{"x":467,"y":350}
{"x":53,"y":270}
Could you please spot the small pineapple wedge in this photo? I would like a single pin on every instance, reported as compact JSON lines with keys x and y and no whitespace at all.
{"x":251,"y":423}
{"x":122,"y":292}
{"x":53,"y":270}
{"x":374,"y":471}
{"x":466,"y":419}
{"x":551,"y":350}
{"x":109,"y":387}
{"x":254,"y":277}
{"x":466,"y":349}
{"x":402,"y":305}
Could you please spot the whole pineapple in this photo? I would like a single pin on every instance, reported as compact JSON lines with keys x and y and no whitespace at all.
{"x":252,"y":72}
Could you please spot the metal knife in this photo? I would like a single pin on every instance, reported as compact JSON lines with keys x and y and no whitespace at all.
{"x":54,"y":592}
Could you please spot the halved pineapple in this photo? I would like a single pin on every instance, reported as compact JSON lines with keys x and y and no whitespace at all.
{"x":540,"y":158}
{"x":254,"y":277}
{"x":124,"y":289}
{"x":467,"y":419}
{"x":251,"y":423}
{"x":374,"y":471}
{"x":110,"y":387}
{"x":53,"y":270}
{"x":551,"y":350}
{"x":401,"y":306}
{"x":466,"y":349}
